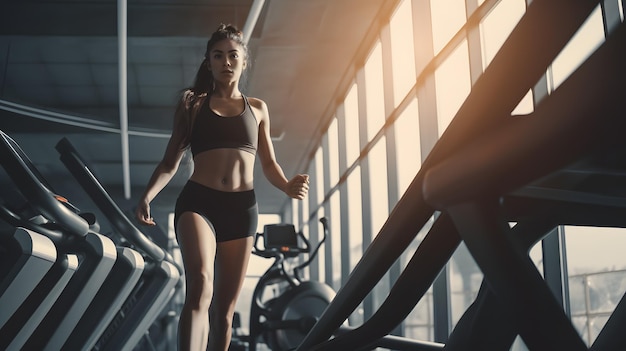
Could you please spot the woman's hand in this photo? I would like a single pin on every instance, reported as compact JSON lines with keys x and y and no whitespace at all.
{"x":298,"y":186}
{"x":143,"y":213}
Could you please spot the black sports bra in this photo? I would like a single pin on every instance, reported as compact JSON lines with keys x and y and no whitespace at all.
{"x":211,"y":131}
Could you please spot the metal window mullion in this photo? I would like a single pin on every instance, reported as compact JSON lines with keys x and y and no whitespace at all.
{"x":392,"y":163}
{"x":328,"y":246}
{"x":366,"y":198}
{"x":554,"y":269}
{"x":610,"y":15}
{"x":314,"y":228}
{"x":343,"y":194}
{"x":429,"y":134}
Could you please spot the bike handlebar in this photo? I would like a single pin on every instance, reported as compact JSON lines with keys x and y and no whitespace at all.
{"x":283,"y":251}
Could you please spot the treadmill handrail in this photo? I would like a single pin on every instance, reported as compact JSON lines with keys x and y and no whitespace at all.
{"x":15,"y":220}
{"x":95,"y":190}
{"x":21,"y":170}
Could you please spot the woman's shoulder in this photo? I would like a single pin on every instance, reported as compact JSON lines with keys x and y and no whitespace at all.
{"x":257,"y":103}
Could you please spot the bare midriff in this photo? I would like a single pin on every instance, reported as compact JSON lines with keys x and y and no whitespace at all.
{"x":224,"y":169}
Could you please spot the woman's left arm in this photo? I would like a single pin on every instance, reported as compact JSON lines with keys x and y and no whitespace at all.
{"x":298,"y":186}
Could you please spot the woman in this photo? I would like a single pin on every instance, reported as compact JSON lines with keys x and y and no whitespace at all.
{"x":216,"y":212}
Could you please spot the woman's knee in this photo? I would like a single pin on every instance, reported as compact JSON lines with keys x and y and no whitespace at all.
{"x":199,"y":289}
{"x":220,"y":318}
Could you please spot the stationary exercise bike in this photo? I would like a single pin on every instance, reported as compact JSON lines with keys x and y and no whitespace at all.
{"x":284,"y":307}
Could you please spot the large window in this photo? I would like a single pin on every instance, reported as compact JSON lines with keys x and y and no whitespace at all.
{"x":494,"y":30}
{"x":333,"y":246}
{"x":403,"y":54}
{"x":497,"y":26}
{"x":333,"y":152}
{"x":351,"y":115}
{"x":448,"y":16}
{"x":583,"y":44}
{"x":374,"y":91}
{"x":378,"y":185}
{"x":409,"y":158}
{"x":334,"y":259}
{"x":597,"y":275}
{"x":387,"y":121}
{"x":355,"y":217}
{"x":453,"y":85}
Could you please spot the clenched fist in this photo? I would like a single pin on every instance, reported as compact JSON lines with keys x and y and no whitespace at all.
{"x":298,"y":186}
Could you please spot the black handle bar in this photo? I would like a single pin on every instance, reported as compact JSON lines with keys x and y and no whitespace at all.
{"x":34,"y":187}
{"x":280,"y":253}
{"x":312,"y":256}
{"x":80,"y":171}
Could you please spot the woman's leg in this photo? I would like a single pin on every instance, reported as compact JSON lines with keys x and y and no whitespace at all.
{"x":231,"y":262}
{"x":198,"y":247}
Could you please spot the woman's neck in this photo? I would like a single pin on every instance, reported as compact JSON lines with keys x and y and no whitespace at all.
{"x":226,"y":91}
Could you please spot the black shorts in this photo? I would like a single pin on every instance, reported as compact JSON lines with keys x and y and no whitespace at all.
{"x":233,"y":215}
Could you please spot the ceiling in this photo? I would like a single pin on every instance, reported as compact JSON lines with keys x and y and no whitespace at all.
{"x":59,"y":62}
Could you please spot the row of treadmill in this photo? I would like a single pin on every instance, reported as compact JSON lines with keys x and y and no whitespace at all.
{"x":63,"y":284}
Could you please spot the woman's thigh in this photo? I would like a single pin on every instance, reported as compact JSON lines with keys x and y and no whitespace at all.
{"x":198,"y":246}
{"x":231,"y":263}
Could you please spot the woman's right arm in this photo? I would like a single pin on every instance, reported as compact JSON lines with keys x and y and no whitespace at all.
{"x":166,"y":169}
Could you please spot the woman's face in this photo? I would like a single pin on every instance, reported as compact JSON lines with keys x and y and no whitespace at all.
{"x":226,"y":61}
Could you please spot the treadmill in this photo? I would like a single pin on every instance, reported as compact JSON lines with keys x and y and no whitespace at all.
{"x":109,"y":300}
{"x":25,"y":258}
{"x":31,"y":268}
{"x":159,"y":281}
{"x":75,"y":234}
{"x":26,"y":306}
